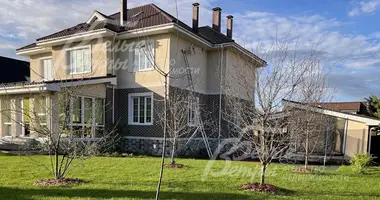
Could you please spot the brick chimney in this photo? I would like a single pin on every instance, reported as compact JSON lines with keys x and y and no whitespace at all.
{"x":230,"y":23}
{"x":123,"y":12}
{"x":195,"y":16}
{"x":216,"y":18}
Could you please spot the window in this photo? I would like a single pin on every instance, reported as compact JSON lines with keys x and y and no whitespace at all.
{"x":40,"y":106}
{"x":76,"y":111}
{"x":6,"y":116}
{"x":99,"y":112}
{"x":87,"y":117}
{"x":141,"y":109}
{"x":79,"y":60}
{"x":193,"y":112}
{"x":237,"y":115}
{"x":143,"y":57}
{"x":47,"y":69}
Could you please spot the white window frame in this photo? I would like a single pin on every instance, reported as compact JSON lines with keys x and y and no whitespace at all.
{"x":142,"y":49}
{"x":68,"y":60}
{"x":192,"y":120}
{"x":47,"y":104}
{"x":8,"y":124}
{"x":43,"y":68}
{"x":130,"y":108}
{"x":83,"y":125}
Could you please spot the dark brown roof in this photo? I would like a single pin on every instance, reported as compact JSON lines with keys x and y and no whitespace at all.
{"x":139,"y":17}
{"x":341,"y":106}
{"x":28,"y":46}
{"x":213,"y":36}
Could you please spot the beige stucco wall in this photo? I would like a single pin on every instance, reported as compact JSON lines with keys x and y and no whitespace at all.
{"x":197,"y":63}
{"x":239,"y":75}
{"x":213,"y":71}
{"x":356,"y":139}
{"x":100,"y":61}
{"x":36,"y":72}
{"x":127,"y":78}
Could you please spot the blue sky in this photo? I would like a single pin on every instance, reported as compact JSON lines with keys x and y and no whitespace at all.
{"x":345,"y":30}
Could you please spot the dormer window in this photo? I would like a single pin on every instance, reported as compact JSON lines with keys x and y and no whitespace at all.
{"x":79,"y":60}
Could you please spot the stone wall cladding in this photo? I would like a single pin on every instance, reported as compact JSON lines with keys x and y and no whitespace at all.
{"x":121,"y":115}
{"x":195,"y":148}
{"x":153,"y":146}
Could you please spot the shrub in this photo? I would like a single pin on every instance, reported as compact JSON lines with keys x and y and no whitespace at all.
{"x":360,"y":161}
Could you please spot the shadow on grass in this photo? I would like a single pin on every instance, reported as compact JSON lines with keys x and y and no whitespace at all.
{"x":30,"y":194}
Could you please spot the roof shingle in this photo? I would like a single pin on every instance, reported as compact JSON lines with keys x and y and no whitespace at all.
{"x":139,"y":17}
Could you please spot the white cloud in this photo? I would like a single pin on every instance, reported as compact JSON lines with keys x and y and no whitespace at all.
{"x":364,"y":7}
{"x":31,"y":19}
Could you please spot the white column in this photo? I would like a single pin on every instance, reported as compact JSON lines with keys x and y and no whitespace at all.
{"x":16,"y":115}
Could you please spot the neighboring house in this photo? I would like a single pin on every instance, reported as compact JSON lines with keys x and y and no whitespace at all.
{"x":98,"y":56}
{"x":12,"y":70}
{"x":352,"y":132}
{"x":346,"y":107}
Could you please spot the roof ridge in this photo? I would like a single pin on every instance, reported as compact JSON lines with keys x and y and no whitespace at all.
{"x":170,"y":18}
{"x":131,"y":8}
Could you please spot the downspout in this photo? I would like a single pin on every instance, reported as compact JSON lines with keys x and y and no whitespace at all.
{"x":113,"y":105}
{"x":345,"y":138}
{"x":369,"y":140}
{"x":220,"y":94}
{"x":113,"y":73}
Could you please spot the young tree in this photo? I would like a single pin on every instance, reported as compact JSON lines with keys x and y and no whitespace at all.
{"x":308,"y":127}
{"x":183,"y":112}
{"x":51,"y":118}
{"x":263,"y":124}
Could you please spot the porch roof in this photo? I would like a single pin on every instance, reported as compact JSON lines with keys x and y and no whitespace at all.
{"x":52,"y":86}
{"x":369,"y":121}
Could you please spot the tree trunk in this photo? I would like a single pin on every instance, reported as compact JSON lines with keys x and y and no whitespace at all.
{"x":263,"y":171}
{"x":172,"y":161}
{"x":307,"y":147}
{"x":164,"y":141}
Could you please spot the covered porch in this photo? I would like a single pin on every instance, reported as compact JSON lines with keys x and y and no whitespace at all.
{"x":29,"y":111}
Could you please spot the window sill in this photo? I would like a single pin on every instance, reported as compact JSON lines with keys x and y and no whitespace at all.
{"x":78,"y":73}
{"x":139,"y":124}
{"x":144,"y":70}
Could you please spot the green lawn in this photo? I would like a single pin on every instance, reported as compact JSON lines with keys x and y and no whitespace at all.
{"x":135,"y":178}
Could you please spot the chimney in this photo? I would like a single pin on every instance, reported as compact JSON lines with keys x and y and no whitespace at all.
{"x":195,"y":16}
{"x":216,"y":18}
{"x":123,"y":12}
{"x":230,"y":23}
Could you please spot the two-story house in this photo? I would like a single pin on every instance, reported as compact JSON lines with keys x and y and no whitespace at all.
{"x":115,"y":64}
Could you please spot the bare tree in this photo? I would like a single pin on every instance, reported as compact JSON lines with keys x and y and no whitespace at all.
{"x":263,"y":125}
{"x":54,"y":118}
{"x":310,"y":128}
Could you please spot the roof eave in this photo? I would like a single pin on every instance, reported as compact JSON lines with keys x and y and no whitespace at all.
{"x":368,"y":121}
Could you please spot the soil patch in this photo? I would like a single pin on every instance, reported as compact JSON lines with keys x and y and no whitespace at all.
{"x":259,"y":188}
{"x":59,"y":182}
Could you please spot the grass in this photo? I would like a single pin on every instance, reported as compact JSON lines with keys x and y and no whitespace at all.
{"x":136,"y":178}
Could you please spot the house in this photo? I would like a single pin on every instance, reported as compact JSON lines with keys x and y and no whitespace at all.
{"x":350,"y":133}
{"x":117,"y":62}
{"x":346,"y":107}
{"x":12,"y":70}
